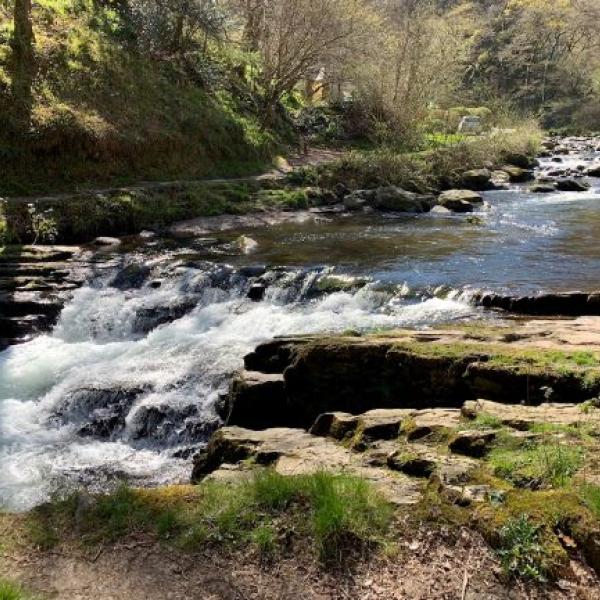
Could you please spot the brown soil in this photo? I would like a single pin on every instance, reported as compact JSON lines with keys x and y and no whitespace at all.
{"x":428,"y":565}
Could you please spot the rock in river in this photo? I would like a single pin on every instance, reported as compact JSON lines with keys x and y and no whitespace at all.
{"x":460,"y":201}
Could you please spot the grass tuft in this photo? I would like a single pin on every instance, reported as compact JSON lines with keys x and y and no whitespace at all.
{"x":12,"y":591}
{"x":522,"y":552}
{"x":548,"y":464}
{"x":591,"y":497}
{"x":337,"y":513}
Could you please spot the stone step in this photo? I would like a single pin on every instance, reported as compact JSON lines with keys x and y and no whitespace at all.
{"x":33,"y":254}
{"x":16,"y":269}
{"x":17,"y":327}
{"x":21,"y":304}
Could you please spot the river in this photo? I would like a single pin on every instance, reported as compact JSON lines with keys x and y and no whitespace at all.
{"x":125,"y":386}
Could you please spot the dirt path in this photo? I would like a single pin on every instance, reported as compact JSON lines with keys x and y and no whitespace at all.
{"x":429,"y":565}
{"x":315,"y":157}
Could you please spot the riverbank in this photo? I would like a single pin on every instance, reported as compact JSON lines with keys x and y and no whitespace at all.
{"x":79,"y":217}
{"x":138,"y":390}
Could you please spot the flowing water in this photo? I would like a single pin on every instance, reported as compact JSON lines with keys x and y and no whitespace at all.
{"x":125,"y":386}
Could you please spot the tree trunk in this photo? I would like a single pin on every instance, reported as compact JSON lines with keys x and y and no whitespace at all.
{"x":23,"y":65}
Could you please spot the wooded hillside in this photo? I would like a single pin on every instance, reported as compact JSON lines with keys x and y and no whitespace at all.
{"x":108,"y":89}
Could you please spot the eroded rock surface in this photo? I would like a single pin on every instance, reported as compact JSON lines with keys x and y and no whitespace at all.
{"x":530,"y":363}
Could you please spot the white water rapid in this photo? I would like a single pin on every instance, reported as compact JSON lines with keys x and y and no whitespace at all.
{"x":125,"y":386}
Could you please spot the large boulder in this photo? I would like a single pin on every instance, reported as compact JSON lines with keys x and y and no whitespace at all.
{"x":477,"y":179}
{"x":499,"y":178}
{"x":398,"y":200}
{"x":358,"y":199}
{"x":460,"y":201}
{"x":521,"y":160}
{"x":593,"y":171}
{"x":473,"y":443}
{"x":518,"y":174}
{"x":543,"y":187}
{"x":572,"y":185}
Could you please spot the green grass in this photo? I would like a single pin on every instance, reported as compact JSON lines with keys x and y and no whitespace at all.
{"x":441,"y":166}
{"x":132,"y":116}
{"x":12,"y":591}
{"x":547,"y":464}
{"x":522,"y":552}
{"x":84,"y":216}
{"x":591,"y":496}
{"x":485,"y":421}
{"x":337,"y":514}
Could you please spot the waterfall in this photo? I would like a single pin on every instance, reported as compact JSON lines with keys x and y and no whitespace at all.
{"x":125,"y":386}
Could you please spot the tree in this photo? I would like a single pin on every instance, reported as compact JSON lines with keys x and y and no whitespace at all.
{"x":23,"y":65}
{"x":296,"y":37}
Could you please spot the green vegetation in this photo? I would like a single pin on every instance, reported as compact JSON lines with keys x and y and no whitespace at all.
{"x":522,"y":552}
{"x":338,"y":513}
{"x":591,"y":496}
{"x":81,"y":217}
{"x":536,"y":465}
{"x":11,"y":591}
{"x":138,"y":111}
{"x":424,"y":171}
{"x":485,"y":421}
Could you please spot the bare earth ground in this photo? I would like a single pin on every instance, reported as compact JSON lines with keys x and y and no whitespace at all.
{"x":427,"y":565}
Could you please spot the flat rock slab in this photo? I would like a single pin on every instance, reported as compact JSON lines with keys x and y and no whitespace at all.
{"x":205,"y":225}
{"x":234,"y":451}
{"x":525,"y":417}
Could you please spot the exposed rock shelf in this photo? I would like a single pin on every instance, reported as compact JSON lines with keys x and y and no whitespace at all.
{"x":410,"y":454}
{"x":573,"y":304}
{"x":35,"y":282}
{"x":290,"y":382}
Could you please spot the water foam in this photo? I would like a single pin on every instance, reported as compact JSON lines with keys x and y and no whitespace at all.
{"x":178,"y":369}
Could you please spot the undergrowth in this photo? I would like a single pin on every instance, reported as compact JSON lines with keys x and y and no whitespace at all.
{"x":537,"y":465}
{"x":522,"y":552}
{"x":424,"y":171}
{"x":102,"y":112}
